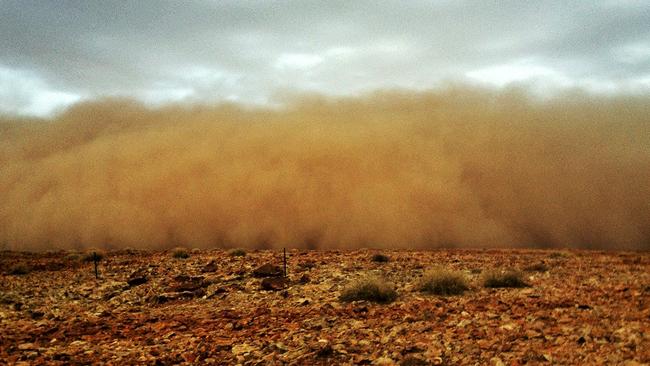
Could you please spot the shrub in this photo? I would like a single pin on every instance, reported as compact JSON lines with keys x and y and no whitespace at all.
{"x":558,"y":255}
{"x":444,"y":282}
{"x":180,"y":253}
{"x":72,"y":257}
{"x":19,"y":269}
{"x":93,"y":255}
{"x":129,"y":251}
{"x":503,"y":279}
{"x":238,"y":252}
{"x":373,"y":289}
{"x":380,"y":258}
{"x":538,"y":267}
{"x":413,"y":361}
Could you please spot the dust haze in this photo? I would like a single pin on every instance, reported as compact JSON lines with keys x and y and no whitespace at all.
{"x":459,"y":167}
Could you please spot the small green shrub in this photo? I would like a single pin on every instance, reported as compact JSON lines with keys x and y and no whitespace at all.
{"x":238,"y":252}
{"x":180,"y":253}
{"x":503,"y":279}
{"x":370,"y":288}
{"x":443,"y":282}
{"x":380,"y":258}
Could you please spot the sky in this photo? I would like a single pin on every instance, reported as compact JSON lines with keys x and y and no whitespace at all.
{"x":55,"y":53}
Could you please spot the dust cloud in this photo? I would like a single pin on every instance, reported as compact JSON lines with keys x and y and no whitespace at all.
{"x":459,"y":167}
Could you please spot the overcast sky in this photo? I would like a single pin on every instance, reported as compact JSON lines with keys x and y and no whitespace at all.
{"x":53,"y":53}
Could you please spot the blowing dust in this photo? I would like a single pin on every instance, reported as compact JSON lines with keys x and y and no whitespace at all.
{"x":454,"y":168}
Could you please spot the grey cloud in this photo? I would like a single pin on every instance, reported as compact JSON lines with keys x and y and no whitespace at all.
{"x":139,"y":47}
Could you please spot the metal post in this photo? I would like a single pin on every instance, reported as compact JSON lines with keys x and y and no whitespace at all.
{"x":285,"y":261}
{"x":95,"y":259}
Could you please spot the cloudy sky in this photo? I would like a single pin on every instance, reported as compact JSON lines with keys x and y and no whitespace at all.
{"x":56,"y":52}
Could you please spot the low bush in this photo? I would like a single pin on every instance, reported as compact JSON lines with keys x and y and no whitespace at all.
{"x":72,"y":257}
{"x":537,"y":267}
{"x":369,"y":288}
{"x":180,"y":253}
{"x":19,"y":269}
{"x":129,"y":251}
{"x":93,"y":255}
{"x":441,"y":281}
{"x":413,"y":361}
{"x":380,"y":258}
{"x":503,"y":279}
{"x":237,"y":252}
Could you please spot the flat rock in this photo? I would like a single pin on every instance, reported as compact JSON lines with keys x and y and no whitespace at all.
{"x":274,"y":283}
{"x":138,"y":277}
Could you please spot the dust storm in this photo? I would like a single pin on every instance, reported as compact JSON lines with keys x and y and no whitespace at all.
{"x":459,"y":167}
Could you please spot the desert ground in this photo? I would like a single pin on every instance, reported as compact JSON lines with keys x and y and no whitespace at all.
{"x":225,"y":307}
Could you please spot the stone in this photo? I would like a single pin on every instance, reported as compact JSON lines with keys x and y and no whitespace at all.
{"x":137,"y":278}
{"x":274,"y":283}
{"x":304,"y":279}
{"x":211,"y":266}
{"x":268,"y":270}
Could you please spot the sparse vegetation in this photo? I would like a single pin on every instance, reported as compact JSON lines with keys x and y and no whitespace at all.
{"x":180,"y":253}
{"x":237,"y":252}
{"x":380,"y":258}
{"x":503,"y":279}
{"x":129,"y":251}
{"x":413,"y":361}
{"x":93,"y":255}
{"x":558,"y":255}
{"x":441,"y":281}
{"x":19,"y":269}
{"x":72,"y":257}
{"x":537,"y":267}
{"x":369,"y":288}
{"x":151,"y":285}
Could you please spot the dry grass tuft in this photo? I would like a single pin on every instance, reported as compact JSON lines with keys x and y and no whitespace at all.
{"x":180,"y":253}
{"x":380,"y":258}
{"x":441,"y":281}
{"x":370,"y":288}
{"x":73,"y":257}
{"x":237,"y":252}
{"x":537,"y":267}
{"x":559,"y":255}
{"x":19,"y":269}
{"x":93,"y":255}
{"x":413,"y":361}
{"x":503,"y":279}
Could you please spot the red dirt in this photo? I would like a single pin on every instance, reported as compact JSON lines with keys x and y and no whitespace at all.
{"x":588,"y":308}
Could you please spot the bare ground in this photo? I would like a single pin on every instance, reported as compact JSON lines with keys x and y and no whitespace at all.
{"x":586,"y":308}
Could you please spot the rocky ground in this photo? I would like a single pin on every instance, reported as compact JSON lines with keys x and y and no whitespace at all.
{"x":581,"y":308}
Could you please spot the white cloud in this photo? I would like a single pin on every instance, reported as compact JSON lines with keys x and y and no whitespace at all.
{"x":23,"y":92}
{"x":257,"y":48}
{"x":517,"y":72}
{"x":165,"y":95}
{"x":300,"y":61}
